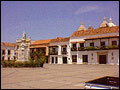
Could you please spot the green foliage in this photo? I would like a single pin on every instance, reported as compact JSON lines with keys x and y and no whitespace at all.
{"x":26,"y":64}
{"x":96,"y":48}
{"x":14,"y":60}
{"x":18,"y":64}
{"x":90,"y":48}
{"x":4,"y":63}
{"x":40,"y":58}
{"x":114,"y":46}
{"x":38,"y":62}
{"x":10,"y":63}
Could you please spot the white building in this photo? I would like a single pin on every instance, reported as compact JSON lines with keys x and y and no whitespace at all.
{"x":8,"y":51}
{"x":92,"y":46}
{"x":58,"y":51}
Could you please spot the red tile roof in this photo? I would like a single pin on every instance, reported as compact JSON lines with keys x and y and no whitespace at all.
{"x":102,"y":37}
{"x":102,"y":30}
{"x":41,"y":42}
{"x":8,"y":44}
{"x":78,"y":42}
{"x":59,"y":39}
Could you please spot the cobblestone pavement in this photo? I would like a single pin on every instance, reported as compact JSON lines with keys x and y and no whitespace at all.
{"x":54,"y":76}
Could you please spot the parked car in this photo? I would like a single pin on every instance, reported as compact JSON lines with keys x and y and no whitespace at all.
{"x":106,"y":82}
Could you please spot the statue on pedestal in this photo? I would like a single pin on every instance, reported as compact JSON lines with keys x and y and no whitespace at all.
{"x":24,"y":35}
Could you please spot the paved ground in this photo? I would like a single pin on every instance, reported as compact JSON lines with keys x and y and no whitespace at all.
{"x":54,"y":76}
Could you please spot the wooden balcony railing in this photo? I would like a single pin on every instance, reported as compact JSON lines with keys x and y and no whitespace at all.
{"x":98,"y":48}
{"x":74,"y":49}
{"x":53,"y":53}
{"x":64,"y":52}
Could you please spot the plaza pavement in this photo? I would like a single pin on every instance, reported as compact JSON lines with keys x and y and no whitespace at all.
{"x":54,"y":76}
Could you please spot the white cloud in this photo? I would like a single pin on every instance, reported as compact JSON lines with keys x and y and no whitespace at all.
{"x":85,"y":9}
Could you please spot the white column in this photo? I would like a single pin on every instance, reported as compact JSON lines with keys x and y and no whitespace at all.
{"x":77,"y":53}
{"x":54,"y":60}
{"x":59,"y":49}
{"x":60,"y":60}
{"x":118,"y":60}
{"x":50,"y":59}
{"x":77,"y":45}
{"x":69,"y":54}
{"x":6,"y":54}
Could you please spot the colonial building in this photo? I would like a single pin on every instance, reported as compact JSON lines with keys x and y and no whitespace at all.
{"x":8,"y":51}
{"x":84,"y":46}
{"x":92,"y":46}
{"x":23,"y":48}
{"x":58,"y":50}
{"x":40,"y":45}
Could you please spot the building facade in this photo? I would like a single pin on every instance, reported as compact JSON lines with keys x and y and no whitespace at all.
{"x":84,"y":46}
{"x":8,"y":51}
{"x":58,"y":50}
{"x":41,"y":45}
{"x":92,"y":46}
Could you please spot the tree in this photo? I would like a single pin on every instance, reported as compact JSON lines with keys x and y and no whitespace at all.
{"x":39,"y":57}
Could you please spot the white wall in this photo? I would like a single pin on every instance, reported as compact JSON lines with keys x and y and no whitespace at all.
{"x":12,"y":49}
{"x":91,"y":59}
{"x":60,"y":61}
{"x":115,"y":58}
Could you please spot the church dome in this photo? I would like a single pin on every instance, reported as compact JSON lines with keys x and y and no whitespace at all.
{"x":82,"y":27}
{"x":104,"y":23}
{"x":111,"y":24}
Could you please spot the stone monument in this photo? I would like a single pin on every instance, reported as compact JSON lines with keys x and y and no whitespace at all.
{"x":23,"y":49}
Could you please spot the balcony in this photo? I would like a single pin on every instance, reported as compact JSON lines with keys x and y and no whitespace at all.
{"x":64,"y":52}
{"x":114,"y":47}
{"x":98,"y":48}
{"x":74,"y":49}
{"x":53,"y":53}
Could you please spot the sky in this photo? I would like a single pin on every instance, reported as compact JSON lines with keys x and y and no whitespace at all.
{"x":51,"y":19}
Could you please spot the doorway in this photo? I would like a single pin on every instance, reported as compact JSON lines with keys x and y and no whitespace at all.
{"x":64,"y":60}
{"x":102,"y":59}
{"x":85,"y":58}
{"x":74,"y":59}
{"x":52,"y":60}
{"x":56,"y":60}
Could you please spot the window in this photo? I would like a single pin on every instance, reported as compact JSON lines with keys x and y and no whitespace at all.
{"x":74,"y":45}
{"x":14,"y":53}
{"x":92,"y":44}
{"x":64,"y":49}
{"x":8,"y":58}
{"x":56,"y":61}
{"x":112,"y":53}
{"x":114,"y":42}
{"x":74,"y":58}
{"x":53,"y":49}
{"x":3,"y":58}
{"x":3,"y":52}
{"x":52,"y":60}
{"x":85,"y":58}
{"x":9,"y":52}
{"x":81,"y":44}
{"x":91,"y":54}
{"x":102,"y":43}
{"x":14,"y":57}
